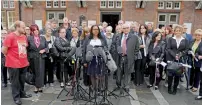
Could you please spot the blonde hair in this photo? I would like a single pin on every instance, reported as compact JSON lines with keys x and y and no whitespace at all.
{"x":83,"y":35}
{"x":75,"y":30}
{"x":198,"y":31}
{"x":179,"y":27}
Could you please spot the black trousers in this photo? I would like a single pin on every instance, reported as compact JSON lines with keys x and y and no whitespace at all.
{"x":152,"y":73}
{"x":57,"y":67}
{"x":4,"y":74}
{"x":49,"y":68}
{"x":139,"y":70}
{"x":65,"y":71}
{"x":176,"y":82}
{"x":17,"y":78}
{"x":195,"y":77}
{"x":200,"y":90}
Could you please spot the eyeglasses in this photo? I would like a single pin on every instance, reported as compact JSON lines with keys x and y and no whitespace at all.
{"x":126,"y":28}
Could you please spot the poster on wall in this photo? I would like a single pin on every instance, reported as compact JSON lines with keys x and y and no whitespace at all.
{"x":189,"y":25}
{"x":39,"y":23}
{"x":91,"y":22}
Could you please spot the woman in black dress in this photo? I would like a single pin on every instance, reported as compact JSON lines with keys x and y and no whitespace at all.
{"x":95,"y":69}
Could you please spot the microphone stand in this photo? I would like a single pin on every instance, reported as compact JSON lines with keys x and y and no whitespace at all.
{"x":63,"y":77}
{"x":119,"y":87}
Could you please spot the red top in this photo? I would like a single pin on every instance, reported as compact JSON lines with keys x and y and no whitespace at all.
{"x":16,"y":56}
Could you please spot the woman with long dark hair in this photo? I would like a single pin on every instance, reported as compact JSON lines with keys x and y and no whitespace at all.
{"x":176,"y":50}
{"x":37,"y":49}
{"x":95,"y":70}
{"x":144,"y":40}
{"x":156,"y":51}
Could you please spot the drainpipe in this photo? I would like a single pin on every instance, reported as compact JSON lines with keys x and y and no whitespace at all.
{"x":20,"y":15}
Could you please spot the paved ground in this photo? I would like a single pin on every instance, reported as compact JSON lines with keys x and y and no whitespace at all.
{"x":142,"y":95}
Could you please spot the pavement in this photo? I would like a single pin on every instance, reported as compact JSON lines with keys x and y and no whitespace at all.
{"x":142,"y":96}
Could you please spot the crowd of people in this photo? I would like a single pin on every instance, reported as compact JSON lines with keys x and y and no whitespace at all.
{"x":45,"y":52}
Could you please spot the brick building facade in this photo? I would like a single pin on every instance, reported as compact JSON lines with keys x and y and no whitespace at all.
{"x":159,"y":12}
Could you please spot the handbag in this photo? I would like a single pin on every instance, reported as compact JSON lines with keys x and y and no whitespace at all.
{"x":29,"y":78}
{"x":111,"y":65}
{"x":175,"y":67}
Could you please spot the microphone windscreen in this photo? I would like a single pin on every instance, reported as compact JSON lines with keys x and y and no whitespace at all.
{"x":89,"y":48}
{"x":119,"y":50}
{"x":79,"y":52}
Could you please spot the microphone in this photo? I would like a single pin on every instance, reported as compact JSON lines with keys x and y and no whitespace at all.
{"x":78,"y":52}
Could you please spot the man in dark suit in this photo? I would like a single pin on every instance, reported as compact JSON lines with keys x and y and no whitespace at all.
{"x":129,"y":45}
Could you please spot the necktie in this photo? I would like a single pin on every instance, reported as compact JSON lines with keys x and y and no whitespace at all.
{"x":124,"y":45}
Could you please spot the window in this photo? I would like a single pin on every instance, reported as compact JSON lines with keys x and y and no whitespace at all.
{"x":169,"y":5}
{"x":10,"y":18}
{"x":59,"y":15}
{"x":167,"y":19}
{"x":103,"y":4}
{"x":11,"y":4}
{"x":3,"y":19}
{"x":110,"y":4}
{"x":51,"y":15}
{"x":162,"y":18}
{"x":177,"y":5}
{"x":161,"y":5}
{"x":118,"y":4}
{"x":173,"y":18}
{"x":63,"y":4}
{"x":5,"y":4}
{"x":48,"y":4}
{"x":55,"y":4}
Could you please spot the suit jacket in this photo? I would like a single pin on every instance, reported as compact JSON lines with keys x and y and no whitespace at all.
{"x":147,"y":42}
{"x":157,"y":51}
{"x":197,"y":53}
{"x":172,"y":50}
{"x":33,"y":51}
{"x":132,"y":45}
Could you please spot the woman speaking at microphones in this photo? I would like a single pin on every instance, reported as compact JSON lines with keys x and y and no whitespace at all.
{"x":91,"y":60}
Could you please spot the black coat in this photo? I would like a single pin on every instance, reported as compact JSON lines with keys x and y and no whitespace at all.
{"x":172,"y":50}
{"x":33,"y":51}
{"x":62,"y":45}
{"x":132,"y":44}
{"x":197,"y":53}
{"x":157,"y":51}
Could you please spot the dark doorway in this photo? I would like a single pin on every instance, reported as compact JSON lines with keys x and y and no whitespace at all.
{"x":111,"y":18}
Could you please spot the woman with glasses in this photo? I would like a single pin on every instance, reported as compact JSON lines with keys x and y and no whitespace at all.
{"x":63,"y":46}
{"x":95,"y":70}
{"x":196,"y":48}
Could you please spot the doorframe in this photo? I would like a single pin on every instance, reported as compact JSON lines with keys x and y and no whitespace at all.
{"x":110,"y":13}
